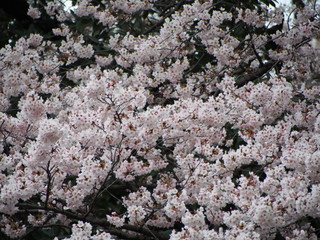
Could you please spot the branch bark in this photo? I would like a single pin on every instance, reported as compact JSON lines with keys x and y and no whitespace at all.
{"x":243,"y":80}
{"x":164,"y":17}
{"x":142,"y":232}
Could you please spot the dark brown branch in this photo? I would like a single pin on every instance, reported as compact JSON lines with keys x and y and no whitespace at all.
{"x":194,"y":66}
{"x":50,"y":178}
{"x":243,"y":80}
{"x":100,"y":222}
{"x":35,"y":228}
{"x":298,"y":3}
{"x":179,"y":4}
{"x":257,"y":55}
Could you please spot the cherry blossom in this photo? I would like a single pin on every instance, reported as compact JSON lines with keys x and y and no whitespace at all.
{"x":137,"y":120}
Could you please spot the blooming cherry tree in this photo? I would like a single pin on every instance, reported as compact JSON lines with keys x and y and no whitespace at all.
{"x":158,"y":119}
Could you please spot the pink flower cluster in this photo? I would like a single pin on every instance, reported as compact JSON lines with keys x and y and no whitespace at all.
{"x":226,"y":150}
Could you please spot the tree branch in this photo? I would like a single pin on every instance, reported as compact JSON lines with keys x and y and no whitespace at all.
{"x":100,"y":222}
{"x":164,"y":17}
{"x":243,"y":80}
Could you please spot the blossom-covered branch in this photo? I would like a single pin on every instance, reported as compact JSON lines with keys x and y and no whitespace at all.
{"x":157,"y":119}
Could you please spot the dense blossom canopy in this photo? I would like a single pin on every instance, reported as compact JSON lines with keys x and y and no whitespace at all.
{"x":161,"y":119}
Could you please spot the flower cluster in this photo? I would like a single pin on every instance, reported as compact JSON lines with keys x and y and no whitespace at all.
{"x":162,"y":120}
